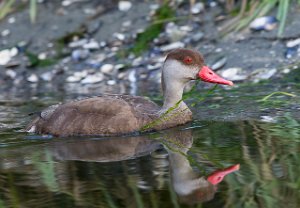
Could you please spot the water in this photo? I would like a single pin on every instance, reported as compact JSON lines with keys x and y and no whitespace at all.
{"x":164,"y":169}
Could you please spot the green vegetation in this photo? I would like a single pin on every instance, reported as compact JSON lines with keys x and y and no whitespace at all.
{"x":247,"y":10}
{"x":164,"y":13}
{"x":36,"y":62}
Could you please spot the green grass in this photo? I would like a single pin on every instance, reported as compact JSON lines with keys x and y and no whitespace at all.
{"x":246,"y":11}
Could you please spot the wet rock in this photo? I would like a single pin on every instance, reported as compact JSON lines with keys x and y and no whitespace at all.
{"x":107,"y":68}
{"x":119,"y":36}
{"x":264,"y":73}
{"x":33,"y":78}
{"x":5,"y":33}
{"x":77,"y":76}
{"x":11,"y":73}
{"x":268,"y":119}
{"x":78,"y":43}
{"x":293,"y":48}
{"x":234,"y":74}
{"x":42,"y":56}
{"x":11,"y":20}
{"x":172,"y":46}
{"x":80,"y":54}
{"x":7,"y":54}
{"x":91,"y":45}
{"x":124,"y":6}
{"x":197,"y":36}
{"x":264,"y":23}
{"x":111,"y":82}
{"x":219,"y":63}
{"x":197,"y":8}
{"x":173,"y":32}
{"x":93,"y":78}
{"x":47,"y":76}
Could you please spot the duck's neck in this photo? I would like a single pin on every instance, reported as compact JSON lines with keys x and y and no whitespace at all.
{"x":172,"y":93}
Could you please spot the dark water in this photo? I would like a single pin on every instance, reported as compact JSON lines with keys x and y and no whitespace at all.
{"x":165,"y":169}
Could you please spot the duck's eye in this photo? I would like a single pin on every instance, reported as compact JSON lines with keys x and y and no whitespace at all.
{"x":187,"y":60}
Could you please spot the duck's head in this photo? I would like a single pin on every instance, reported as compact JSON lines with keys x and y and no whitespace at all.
{"x":185,"y":65}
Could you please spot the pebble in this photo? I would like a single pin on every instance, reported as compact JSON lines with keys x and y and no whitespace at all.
{"x":5,"y":32}
{"x":267,"y":23}
{"x":119,"y":36}
{"x":78,"y":43}
{"x":11,"y":73}
{"x":264,"y":73}
{"x":234,"y":74}
{"x":124,"y":6}
{"x":47,"y":76}
{"x":42,"y":56}
{"x":219,"y":63}
{"x":172,"y":46}
{"x":80,"y":54}
{"x":93,"y":78}
{"x":197,"y":36}
{"x":111,"y":82}
{"x":33,"y":78}
{"x":91,"y":45}
{"x":268,"y":119}
{"x":7,"y":54}
{"x":11,"y":20}
{"x":107,"y":68}
{"x":197,"y":8}
{"x":73,"y":79}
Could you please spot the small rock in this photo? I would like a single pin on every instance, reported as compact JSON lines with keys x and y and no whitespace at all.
{"x":260,"y":74}
{"x":264,"y":23}
{"x":197,"y":8}
{"x":11,"y":73}
{"x":197,"y":37}
{"x":119,"y":36}
{"x":47,"y":76}
{"x":234,"y":74}
{"x":219,"y":63}
{"x":172,"y":46}
{"x":42,"y":56}
{"x":5,"y":33}
{"x":293,"y":43}
{"x":107,"y":68}
{"x":80,"y":54}
{"x":7,"y":54}
{"x":33,"y":78}
{"x":124,"y":6}
{"x":127,"y":23}
{"x":73,"y":79}
{"x":268,"y":119}
{"x":92,"y":79}
{"x":91,"y":45}
{"x":11,"y":20}
{"x":111,"y":82}
{"x":78,"y":43}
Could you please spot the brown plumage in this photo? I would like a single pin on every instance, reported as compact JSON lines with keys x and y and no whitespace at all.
{"x":123,"y":114}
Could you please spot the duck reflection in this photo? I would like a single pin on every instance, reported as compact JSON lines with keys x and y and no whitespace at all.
{"x":190,"y":186}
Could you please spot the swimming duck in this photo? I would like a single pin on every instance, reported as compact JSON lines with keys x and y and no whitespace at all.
{"x":108,"y":115}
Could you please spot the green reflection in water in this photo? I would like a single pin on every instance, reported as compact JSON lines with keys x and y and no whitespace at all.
{"x":47,"y":170}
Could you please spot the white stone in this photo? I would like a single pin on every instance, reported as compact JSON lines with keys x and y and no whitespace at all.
{"x":91,"y":45}
{"x":78,"y":43}
{"x":119,"y":36}
{"x":11,"y":73}
{"x":111,"y":82}
{"x":11,"y":20}
{"x":5,"y":56}
{"x":5,"y":32}
{"x":33,"y":78}
{"x":92,"y":79}
{"x":124,"y":6}
{"x":172,"y":46}
{"x":234,"y":74}
{"x":293,"y":43}
{"x":107,"y":68}
{"x":42,"y":56}
{"x":47,"y":76}
{"x":197,"y":8}
{"x":73,"y":79}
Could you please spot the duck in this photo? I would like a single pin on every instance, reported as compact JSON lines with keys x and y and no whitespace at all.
{"x":112,"y":115}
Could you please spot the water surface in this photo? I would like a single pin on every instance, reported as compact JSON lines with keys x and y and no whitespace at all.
{"x":164,"y":169}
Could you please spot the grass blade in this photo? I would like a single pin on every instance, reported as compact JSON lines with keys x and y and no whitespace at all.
{"x":32,"y":10}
